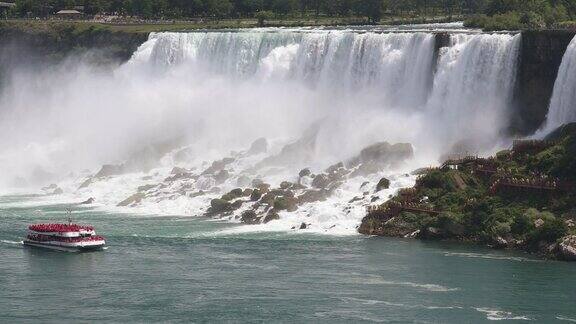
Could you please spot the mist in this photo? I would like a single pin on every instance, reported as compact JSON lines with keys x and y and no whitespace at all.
{"x":218,"y":92}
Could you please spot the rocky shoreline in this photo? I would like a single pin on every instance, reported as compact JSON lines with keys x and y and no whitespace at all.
{"x":520,"y":199}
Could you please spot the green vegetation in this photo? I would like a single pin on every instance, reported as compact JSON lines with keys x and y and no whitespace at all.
{"x":525,"y":14}
{"x":170,"y":15}
{"x":518,"y":199}
{"x":166,"y":15}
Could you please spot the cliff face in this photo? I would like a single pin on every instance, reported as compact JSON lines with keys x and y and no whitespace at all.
{"x":541,"y":54}
{"x":20,"y":45}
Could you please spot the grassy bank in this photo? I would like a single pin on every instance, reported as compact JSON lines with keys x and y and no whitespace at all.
{"x":50,"y":26}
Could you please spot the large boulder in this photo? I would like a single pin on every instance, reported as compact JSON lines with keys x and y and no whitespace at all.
{"x":384,"y":154}
{"x":220,"y":205}
{"x":383,"y":184}
{"x":258,"y":146}
{"x":286,"y":203}
{"x":218,"y":166}
{"x":297,"y":153}
{"x":321,"y":181}
{"x":271,"y":216}
{"x":132,"y":200}
{"x":250,"y":217}
{"x":567,"y":248}
{"x":255,"y":195}
{"x":304,"y":173}
{"x":88,"y":201}
{"x":310,"y":196}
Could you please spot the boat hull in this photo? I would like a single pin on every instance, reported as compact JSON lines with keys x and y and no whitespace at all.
{"x":76,"y":248}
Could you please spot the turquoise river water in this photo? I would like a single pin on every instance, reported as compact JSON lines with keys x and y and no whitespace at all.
{"x":181,"y":269}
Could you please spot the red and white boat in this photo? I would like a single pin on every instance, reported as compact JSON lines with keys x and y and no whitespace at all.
{"x":64,"y":237}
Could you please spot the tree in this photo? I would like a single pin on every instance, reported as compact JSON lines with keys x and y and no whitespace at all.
{"x":262,"y":16}
{"x":372,"y":9}
{"x":218,"y":8}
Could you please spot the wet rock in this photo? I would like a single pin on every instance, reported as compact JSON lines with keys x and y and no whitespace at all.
{"x":180,"y":176}
{"x":297,"y":186}
{"x":300,"y":152}
{"x":286,"y":203}
{"x":88,"y":201}
{"x":355,"y":199}
{"x":205,"y":183}
{"x":221,"y":176}
{"x":183,"y":155}
{"x":260,"y":185}
{"x":335,"y":168}
{"x":108,"y":170}
{"x":50,"y":187}
{"x":268,"y":199}
{"x":303,"y":226}
{"x":197,"y":194}
{"x":146,"y":187}
{"x":567,"y":248}
{"x":311,"y":196}
{"x":243,"y":181}
{"x":233,"y":194}
{"x":280,"y":192}
{"x":247,"y":192}
{"x":285,"y":185}
{"x":271,"y":216}
{"x":256,"y":195}
{"x":383,"y":184}
{"x":86,"y":183}
{"x":250,"y":217}
{"x":237,"y":204}
{"x":258,"y":146}
{"x":220,"y":206}
{"x":499,"y":242}
{"x":321,"y":181}
{"x":218,"y":166}
{"x":334,"y":185}
{"x":377,"y":224}
{"x":178,"y":170}
{"x":132,"y":200}
{"x":366,"y":169}
{"x":57,"y":191}
{"x":304,"y":173}
{"x":383,"y":155}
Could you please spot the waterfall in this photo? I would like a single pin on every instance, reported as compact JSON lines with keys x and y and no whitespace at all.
{"x":221,"y":90}
{"x":473,"y":88}
{"x":562,"y":108}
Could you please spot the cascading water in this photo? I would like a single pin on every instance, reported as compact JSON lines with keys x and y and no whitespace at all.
{"x":219,"y":91}
{"x":562,"y":109}
{"x":473,"y":89}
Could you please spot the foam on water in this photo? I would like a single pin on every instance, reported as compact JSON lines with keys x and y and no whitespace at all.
{"x":499,"y":315}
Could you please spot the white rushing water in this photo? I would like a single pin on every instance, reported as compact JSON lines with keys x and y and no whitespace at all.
{"x":562,"y":109}
{"x":217,"y":92}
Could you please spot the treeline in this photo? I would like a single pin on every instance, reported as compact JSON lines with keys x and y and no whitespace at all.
{"x":374,"y":10}
{"x":525,"y":14}
{"x":488,"y":14}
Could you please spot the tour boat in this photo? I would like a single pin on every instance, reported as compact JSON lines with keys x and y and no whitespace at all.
{"x":64,"y":237}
